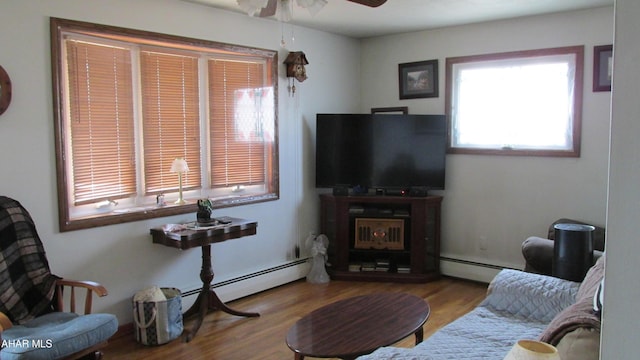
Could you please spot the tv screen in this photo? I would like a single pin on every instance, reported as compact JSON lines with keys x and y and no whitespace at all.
{"x":380,"y":150}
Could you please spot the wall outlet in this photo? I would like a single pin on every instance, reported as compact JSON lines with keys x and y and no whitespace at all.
{"x":483,"y":244}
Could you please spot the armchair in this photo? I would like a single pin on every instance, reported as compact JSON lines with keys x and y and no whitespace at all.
{"x":34,"y":323}
{"x":538,"y":252}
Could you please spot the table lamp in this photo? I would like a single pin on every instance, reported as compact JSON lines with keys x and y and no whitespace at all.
{"x":532,"y":350}
{"x":179,"y":166}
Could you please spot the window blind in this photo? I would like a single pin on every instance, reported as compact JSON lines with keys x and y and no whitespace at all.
{"x":101,"y":122}
{"x":128,"y":103}
{"x":238,"y":143}
{"x":170,"y":103}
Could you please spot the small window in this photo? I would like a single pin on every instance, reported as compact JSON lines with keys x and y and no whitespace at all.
{"x":128,"y":103}
{"x":518,"y":103}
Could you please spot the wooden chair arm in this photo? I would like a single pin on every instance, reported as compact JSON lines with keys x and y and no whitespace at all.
{"x":91,"y":287}
{"x":5,"y":323}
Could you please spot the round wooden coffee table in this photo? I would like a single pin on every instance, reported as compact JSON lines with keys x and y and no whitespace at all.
{"x":359,"y":325}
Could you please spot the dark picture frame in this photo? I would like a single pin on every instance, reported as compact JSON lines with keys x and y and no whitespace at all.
{"x":404,"y":110}
{"x":418,"y":79}
{"x":602,"y":67}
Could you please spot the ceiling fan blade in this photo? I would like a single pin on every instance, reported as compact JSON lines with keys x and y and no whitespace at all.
{"x":270,"y":9}
{"x":370,"y":3}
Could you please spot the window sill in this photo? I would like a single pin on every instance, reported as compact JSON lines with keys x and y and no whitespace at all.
{"x":515,"y":152}
{"x":119,"y":216}
{"x":124,"y":215}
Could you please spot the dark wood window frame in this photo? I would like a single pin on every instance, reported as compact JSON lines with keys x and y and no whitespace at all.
{"x":268,"y":184}
{"x":576,"y":89}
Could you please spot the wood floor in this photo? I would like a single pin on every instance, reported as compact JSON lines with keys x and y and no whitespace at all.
{"x":227,"y":337}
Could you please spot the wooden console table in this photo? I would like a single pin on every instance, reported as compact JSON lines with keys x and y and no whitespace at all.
{"x":203,"y":237}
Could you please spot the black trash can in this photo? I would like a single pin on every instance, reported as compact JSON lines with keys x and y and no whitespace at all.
{"x":572,"y":251}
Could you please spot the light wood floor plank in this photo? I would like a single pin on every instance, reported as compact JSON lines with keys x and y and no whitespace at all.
{"x":227,"y":337}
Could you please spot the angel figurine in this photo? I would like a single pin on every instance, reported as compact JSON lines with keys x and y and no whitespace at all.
{"x":317,"y":246}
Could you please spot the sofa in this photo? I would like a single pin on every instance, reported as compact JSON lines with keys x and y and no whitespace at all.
{"x":519,"y":305}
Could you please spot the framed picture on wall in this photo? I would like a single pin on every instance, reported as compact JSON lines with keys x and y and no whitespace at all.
{"x":602,"y":67}
{"x":418,"y":79}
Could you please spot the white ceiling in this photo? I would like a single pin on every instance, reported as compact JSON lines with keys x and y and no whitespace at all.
{"x":397,"y":16}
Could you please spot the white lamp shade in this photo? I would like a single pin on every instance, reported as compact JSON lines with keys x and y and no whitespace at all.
{"x":179,"y":165}
{"x":532,"y":350}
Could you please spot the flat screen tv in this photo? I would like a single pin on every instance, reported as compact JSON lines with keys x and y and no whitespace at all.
{"x":380,"y":151}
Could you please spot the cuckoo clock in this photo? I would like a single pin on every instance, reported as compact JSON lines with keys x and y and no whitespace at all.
{"x":295,"y":63}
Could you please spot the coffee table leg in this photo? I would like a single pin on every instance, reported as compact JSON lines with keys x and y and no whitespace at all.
{"x":419,"y":335}
{"x":299,"y":357}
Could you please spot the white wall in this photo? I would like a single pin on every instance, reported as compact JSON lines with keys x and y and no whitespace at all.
{"x":620,"y":316}
{"x":122,"y":257}
{"x":500,"y":198}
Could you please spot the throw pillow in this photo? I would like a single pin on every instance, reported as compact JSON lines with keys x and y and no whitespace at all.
{"x":591,"y":280}
{"x":597,"y":298}
{"x":580,"y":344}
{"x":562,"y":331}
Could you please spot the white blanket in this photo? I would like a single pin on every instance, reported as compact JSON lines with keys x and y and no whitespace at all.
{"x":518,"y":305}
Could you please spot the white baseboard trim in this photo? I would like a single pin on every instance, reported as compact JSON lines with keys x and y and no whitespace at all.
{"x":253,"y":283}
{"x":469,"y":269}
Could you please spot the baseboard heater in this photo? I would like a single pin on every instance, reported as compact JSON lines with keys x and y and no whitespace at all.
{"x":269,"y":278}
{"x":242,"y":286}
{"x":297,"y":269}
{"x":468,"y":269}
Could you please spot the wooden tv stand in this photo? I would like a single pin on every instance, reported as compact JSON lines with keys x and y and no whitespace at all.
{"x":396,"y":238}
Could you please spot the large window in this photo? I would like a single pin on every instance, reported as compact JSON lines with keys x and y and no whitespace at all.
{"x":128,"y":103}
{"x":518,"y":103}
